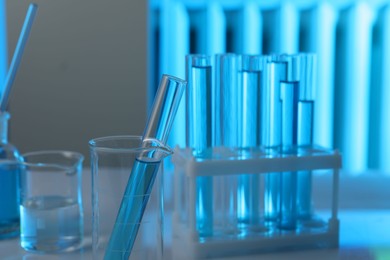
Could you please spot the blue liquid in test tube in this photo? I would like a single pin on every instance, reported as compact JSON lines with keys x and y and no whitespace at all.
{"x":133,"y":206}
{"x":145,"y":168}
{"x":288,"y":198}
{"x":247,"y":185}
{"x":199,"y":133}
{"x":271,"y":132}
{"x":248,"y":199}
{"x":305,"y":130}
{"x":305,"y":137}
{"x":226,"y":131}
{"x":289,"y":98}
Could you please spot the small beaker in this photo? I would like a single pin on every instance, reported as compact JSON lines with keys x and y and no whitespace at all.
{"x":51,"y":210}
{"x":9,"y":182}
{"x":116,"y":163}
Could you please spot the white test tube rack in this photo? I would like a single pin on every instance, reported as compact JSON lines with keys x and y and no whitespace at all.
{"x":187,"y":241}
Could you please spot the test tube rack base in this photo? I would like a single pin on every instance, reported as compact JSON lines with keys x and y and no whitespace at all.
{"x":223,"y":232}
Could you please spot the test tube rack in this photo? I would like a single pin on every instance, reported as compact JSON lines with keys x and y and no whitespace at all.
{"x":189,"y":243}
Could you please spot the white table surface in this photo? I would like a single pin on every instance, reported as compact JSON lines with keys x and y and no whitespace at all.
{"x":364,"y":214}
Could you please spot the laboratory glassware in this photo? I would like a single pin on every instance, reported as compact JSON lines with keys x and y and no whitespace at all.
{"x":251,"y":71}
{"x":289,"y":96}
{"x":157,"y":131}
{"x":10,"y":170}
{"x":305,"y":130}
{"x":225,"y":117}
{"x":51,"y":208}
{"x":116,"y":161}
{"x":5,"y":87}
{"x":199,"y":131}
{"x":275,"y":71}
{"x":187,"y":242}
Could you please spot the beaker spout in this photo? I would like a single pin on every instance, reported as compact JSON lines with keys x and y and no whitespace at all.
{"x":153,"y":150}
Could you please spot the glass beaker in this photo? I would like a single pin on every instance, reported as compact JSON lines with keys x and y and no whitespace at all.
{"x":115,"y":162}
{"x":51,"y":210}
{"x":9,"y":182}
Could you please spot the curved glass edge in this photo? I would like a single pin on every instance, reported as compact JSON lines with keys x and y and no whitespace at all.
{"x":75,"y":160}
{"x":147,"y":150}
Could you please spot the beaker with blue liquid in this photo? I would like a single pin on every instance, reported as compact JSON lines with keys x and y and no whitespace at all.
{"x":9,"y":182}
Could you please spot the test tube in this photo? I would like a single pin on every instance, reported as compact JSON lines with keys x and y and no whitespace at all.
{"x":199,"y":133}
{"x":275,"y":71}
{"x":248,"y":197}
{"x":143,"y":174}
{"x":289,"y":96}
{"x":305,"y":129}
{"x":226,"y":131}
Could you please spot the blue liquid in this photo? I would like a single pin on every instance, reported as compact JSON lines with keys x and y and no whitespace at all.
{"x":50,"y":223}
{"x":250,"y":115}
{"x":289,"y":96}
{"x":288,"y":210}
{"x":131,"y":210}
{"x":305,"y":138}
{"x":204,"y":203}
{"x":304,"y":186}
{"x":271,"y":118}
{"x":305,"y":125}
{"x":271,"y":121}
{"x":272,"y":196}
{"x":248,"y":196}
{"x":199,"y":138}
{"x":9,"y":200}
{"x":226,"y":102}
{"x":199,"y":124}
{"x":249,"y":199}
